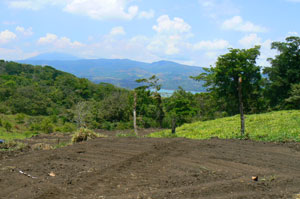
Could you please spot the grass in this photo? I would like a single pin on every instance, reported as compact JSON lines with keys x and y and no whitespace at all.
{"x":16,"y":135}
{"x":274,"y":126}
{"x":25,"y":126}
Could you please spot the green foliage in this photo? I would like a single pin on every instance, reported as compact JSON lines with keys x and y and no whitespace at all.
{"x":294,"y":98}
{"x":274,"y":126}
{"x":47,"y":125}
{"x":284,"y":71}
{"x":83,"y":134}
{"x":16,"y":135}
{"x":179,"y":107}
{"x":20,"y":118}
{"x":222,"y":80}
{"x":149,"y":103}
{"x":7,"y":125}
{"x":36,"y":90}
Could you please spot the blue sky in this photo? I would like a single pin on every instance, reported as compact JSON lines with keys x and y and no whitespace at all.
{"x":193,"y":32}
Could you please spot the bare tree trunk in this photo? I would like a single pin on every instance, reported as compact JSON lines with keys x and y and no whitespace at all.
{"x":134,"y":114}
{"x":241,"y":108}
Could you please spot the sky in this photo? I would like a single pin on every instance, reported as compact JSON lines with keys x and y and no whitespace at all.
{"x":193,"y":32}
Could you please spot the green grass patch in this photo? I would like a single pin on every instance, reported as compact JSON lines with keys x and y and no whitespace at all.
{"x":274,"y":126}
{"x":16,"y":135}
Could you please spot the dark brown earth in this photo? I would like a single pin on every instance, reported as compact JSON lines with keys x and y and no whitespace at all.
{"x":109,"y":168}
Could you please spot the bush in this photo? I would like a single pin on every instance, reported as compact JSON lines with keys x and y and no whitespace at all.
{"x":47,"y":125}
{"x":68,"y":128}
{"x":124,"y":125}
{"x":108,"y":126}
{"x":84,"y":134}
{"x":7,"y":126}
{"x":20,"y":118}
{"x":35,"y":127}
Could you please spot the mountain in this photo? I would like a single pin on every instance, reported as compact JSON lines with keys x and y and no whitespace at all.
{"x":124,"y":72}
{"x":54,"y":56}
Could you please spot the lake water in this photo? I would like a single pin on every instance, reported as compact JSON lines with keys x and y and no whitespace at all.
{"x":168,"y":93}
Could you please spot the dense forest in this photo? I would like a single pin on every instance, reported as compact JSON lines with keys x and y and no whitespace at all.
{"x":60,"y":97}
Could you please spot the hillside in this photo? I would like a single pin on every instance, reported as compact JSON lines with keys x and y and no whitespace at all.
{"x":124,"y":72}
{"x":36,"y":90}
{"x":273,"y":126}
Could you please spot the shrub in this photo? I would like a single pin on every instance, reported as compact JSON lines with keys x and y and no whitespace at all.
{"x":124,"y":125}
{"x":7,"y":126}
{"x":68,"y":128}
{"x":47,"y":125}
{"x":35,"y":127}
{"x":20,"y":118}
{"x":84,"y":134}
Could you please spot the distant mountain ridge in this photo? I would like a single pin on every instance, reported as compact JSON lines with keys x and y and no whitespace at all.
{"x":124,"y":72}
{"x":54,"y":56}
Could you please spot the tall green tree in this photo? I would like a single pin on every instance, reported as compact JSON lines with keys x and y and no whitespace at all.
{"x":284,"y":71}
{"x":179,"y":109}
{"x":223,"y":80}
{"x":149,"y":98}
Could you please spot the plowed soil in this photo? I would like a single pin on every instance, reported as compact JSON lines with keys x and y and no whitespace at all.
{"x":109,"y":168}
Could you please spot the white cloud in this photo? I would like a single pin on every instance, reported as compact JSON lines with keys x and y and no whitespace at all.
{"x":7,"y":36}
{"x":62,"y":42}
{"x":25,"y":32}
{"x":49,"y":38}
{"x":218,"y":44}
{"x":117,"y":31}
{"x":103,"y":9}
{"x":250,"y":40}
{"x":238,"y":24}
{"x":177,"y":25}
{"x":146,"y":14}
{"x":171,"y":36}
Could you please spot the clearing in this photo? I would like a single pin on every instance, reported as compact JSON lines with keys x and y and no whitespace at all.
{"x":110,"y":168}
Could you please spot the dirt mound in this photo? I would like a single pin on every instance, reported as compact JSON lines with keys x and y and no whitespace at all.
{"x":109,"y":168}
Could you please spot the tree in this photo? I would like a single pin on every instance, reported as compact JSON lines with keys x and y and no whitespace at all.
{"x":81,"y":114}
{"x":151,"y":87}
{"x":294,"y":99}
{"x":178,"y":109}
{"x":225,"y":81}
{"x":284,"y":71}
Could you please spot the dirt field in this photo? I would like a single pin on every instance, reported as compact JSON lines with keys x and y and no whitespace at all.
{"x":109,"y":168}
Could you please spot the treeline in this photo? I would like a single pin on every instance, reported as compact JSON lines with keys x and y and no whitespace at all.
{"x":45,"y":91}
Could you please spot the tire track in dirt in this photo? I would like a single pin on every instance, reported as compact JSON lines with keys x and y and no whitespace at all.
{"x":155,"y":168}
